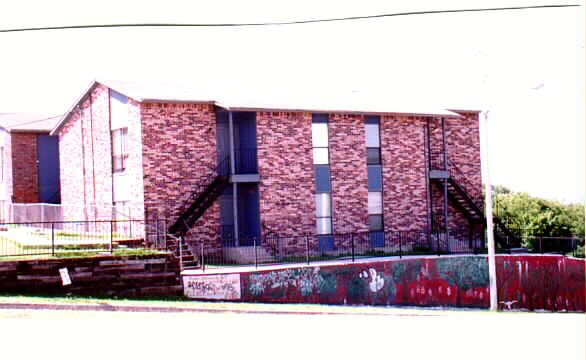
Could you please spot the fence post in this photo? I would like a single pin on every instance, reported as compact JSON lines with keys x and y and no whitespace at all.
{"x":111,"y":236}
{"x":352,"y":237}
{"x":180,"y":253}
{"x":165,"y":238}
{"x":307,"y":248}
{"x":400,"y":246}
{"x":255,"y":253}
{"x":540,"y":245}
{"x":203,"y":263}
{"x":52,"y":239}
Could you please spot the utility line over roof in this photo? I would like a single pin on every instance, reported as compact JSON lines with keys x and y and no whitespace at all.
{"x":294,"y":22}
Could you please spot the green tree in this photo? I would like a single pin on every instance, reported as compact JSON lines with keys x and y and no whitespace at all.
{"x":535,"y":216}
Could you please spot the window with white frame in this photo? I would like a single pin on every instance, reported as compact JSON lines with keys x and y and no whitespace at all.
{"x":374,"y":163}
{"x":119,"y":149}
{"x":323,"y":199}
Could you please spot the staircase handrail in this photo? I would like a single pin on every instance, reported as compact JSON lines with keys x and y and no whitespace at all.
{"x":436,"y":159}
{"x":222,"y":169}
{"x":462,"y":181}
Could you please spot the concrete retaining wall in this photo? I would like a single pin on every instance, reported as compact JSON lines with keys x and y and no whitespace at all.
{"x":553,"y":283}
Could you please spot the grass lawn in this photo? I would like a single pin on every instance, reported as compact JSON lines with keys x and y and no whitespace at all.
{"x":19,"y":242}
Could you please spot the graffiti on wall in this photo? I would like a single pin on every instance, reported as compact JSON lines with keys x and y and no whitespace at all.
{"x":401,"y":282}
{"x":306,"y":281}
{"x":553,"y":283}
{"x":217,"y":287}
{"x":525,"y":282}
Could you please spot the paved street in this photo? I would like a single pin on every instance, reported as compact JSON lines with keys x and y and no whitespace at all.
{"x":416,"y":334}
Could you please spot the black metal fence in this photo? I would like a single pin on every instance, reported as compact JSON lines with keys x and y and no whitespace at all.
{"x":349,"y":246}
{"x":352,"y":247}
{"x":53,"y":238}
{"x":57,"y":237}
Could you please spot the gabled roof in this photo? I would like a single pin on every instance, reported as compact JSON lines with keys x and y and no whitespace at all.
{"x":165,"y":92}
{"x":28,"y":122}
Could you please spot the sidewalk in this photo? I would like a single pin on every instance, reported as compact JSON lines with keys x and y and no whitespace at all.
{"x":89,"y":304}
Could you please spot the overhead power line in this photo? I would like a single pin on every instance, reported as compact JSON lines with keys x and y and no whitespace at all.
{"x":297,"y":22}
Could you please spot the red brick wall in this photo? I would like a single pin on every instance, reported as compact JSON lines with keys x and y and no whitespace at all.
{"x":173,"y":146}
{"x":178,"y":150}
{"x":457,"y":221}
{"x":348,"y":168}
{"x":24,"y":168}
{"x":404,"y":183}
{"x":464,"y":151}
{"x":287,"y":188}
{"x":85,"y":158}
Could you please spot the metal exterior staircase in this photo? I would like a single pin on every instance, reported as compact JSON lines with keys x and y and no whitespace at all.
{"x":471,"y":207}
{"x":156,"y":233}
{"x":201,"y":197}
{"x":206,"y":191}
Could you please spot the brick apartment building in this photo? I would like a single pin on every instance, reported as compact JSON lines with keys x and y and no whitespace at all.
{"x":234,"y":173}
{"x":29,"y":158}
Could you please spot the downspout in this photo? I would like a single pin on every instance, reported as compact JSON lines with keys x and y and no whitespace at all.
{"x":110,"y":137}
{"x":83,"y":163}
{"x":427,"y":149}
{"x":93,"y":153}
{"x":232,"y":172}
{"x":38,"y":165}
{"x":446,"y":222}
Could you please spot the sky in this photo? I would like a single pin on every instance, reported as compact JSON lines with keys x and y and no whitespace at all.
{"x":523,"y":69}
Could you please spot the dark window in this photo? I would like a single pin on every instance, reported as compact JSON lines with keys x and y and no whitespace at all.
{"x":375,"y":178}
{"x":322,"y":179}
{"x":375,"y":223}
{"x":373,"y":156}
{"x":375,"y":211}
{"x":372,"y":119}
{"x":119,"y":149}
{"x":319,"y":118}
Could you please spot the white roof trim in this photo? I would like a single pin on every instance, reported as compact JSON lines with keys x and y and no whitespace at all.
{"x":249,"y":107}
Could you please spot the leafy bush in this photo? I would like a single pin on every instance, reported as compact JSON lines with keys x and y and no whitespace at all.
{"x":535,"y":217}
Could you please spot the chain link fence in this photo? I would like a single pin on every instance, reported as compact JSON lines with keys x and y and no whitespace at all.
{"x":41,"y":212}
